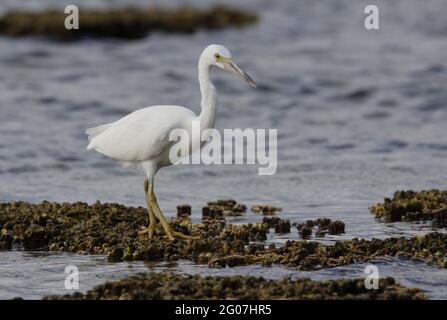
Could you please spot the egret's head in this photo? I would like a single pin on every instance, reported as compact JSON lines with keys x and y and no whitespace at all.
{"x":217,"y":55}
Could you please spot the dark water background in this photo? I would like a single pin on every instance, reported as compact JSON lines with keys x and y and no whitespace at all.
{"x":359,"y":115}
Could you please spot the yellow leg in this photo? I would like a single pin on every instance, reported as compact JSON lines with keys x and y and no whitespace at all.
{"x":152,"y":220}
{"x":169,"y":232}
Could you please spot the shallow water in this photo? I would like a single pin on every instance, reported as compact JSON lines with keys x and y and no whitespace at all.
{"x":359,"y":115}
{"x":31,"y":275}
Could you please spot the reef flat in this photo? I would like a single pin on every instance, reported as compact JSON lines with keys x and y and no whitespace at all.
{"x":125,"y":23}
{"x":171,"y":286}
{"x":112,"y":229}
{"x":414,"y":206}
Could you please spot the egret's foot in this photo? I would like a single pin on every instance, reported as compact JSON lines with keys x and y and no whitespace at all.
{"x":149,"y":232}
{"x":171,"y":234}
{"x":184,"y":236}
{"x":154,"y":209}
{"x":144,"y":234}
{"x":180,"y":235}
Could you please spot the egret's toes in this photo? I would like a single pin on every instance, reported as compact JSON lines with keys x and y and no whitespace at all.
{"x":168,"y":234}
{"x":172,"y":235}
{"x":184,"y":236}
{"x":144,"y":233}
{"x":148,"y":233}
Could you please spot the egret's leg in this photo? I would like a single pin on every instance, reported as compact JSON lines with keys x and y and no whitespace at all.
{"x":170,"y":233}
{"x":152,"y":220}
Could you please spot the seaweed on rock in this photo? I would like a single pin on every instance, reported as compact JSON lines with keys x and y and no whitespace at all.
{"x":414,"y":206}
{"x":125,"y":23}
{"x":112,"y":229}
{"x":171,"y":286}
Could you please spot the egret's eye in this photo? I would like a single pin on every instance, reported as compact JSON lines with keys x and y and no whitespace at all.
{"x":217,"y":56}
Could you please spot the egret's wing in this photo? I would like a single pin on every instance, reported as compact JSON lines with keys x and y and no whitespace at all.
{"x":141,"y":135}
{"x":93,"y":132}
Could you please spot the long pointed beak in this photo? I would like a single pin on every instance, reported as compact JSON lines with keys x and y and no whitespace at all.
{"x":232,"y":67}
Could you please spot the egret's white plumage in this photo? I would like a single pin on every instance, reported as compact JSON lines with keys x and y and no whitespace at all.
{"x":141,"y":138}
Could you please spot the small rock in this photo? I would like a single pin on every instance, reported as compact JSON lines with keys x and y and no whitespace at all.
{"x":183,"y":210}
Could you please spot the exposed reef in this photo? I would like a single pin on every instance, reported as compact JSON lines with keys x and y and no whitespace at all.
{"x":125,"y":23}
{"x":414,"y":206}
{"x":170,"y":286}
{"x":280,"y":225}
{"x":112,"y":229}
{"x":223,"y":208}
{"x":325,"y":226}
{"x":265,"y":209}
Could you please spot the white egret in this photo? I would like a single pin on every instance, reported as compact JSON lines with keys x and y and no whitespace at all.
{"x":141,"y":139}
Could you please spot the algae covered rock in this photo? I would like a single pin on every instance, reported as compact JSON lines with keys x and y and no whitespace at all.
{"x":413,"y":206}
{"x":280,"y":225}
{"x":125,"y":23}
{"x":183,"y":210}
{"x":325,"y":226}
{"x":112,"y":229}
{"x":266,"y":210}
{"x":225,"y":208}
{"x":171,"y":286}
{"x":304,"y":230}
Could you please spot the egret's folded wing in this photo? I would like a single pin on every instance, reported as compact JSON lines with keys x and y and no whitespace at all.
{"x":93,"y":132}
{"x":141,"y":135}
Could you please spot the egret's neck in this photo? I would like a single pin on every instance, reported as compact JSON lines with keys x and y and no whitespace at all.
{"x":207,"y":116}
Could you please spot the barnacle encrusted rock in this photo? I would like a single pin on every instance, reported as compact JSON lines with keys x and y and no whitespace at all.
{"x":325,"y":225}
{"x":112,"y":229}
{"x":414,"y":206}
{"x":127,"y":23}
{"x":280,"y":225}
{"x":265,"y":209}
{"x":183,"y":210}
{"x":223,"y":208}
{"x":171,"y":286}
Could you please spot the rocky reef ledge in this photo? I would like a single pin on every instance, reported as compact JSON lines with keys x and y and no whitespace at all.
{"x":112,"y":229}
{"x":414,"y":206}
{"x":125,"y":23}
{"x":170,"y":286}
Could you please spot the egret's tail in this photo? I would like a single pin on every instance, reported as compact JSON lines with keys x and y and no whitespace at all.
{"x":93,"y":132}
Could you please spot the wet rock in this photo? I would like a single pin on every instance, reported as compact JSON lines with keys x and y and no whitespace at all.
{"x":228,"y":261}
{"x":325,"y":225}
{"x":217,"y":262}
{"x":314,"y":255}
{"x":115,"y":255}
{"x":283,"y":226}
{"x":171,"y":286}
{"x":112,"y":229}
{"x":225,"y":208}
{"x":126,"y":23}
{"x":320,"y":233}
{"x":304,"y":230}
{"x":210,"y":214}
{"x":280,"y":225}
{"x":336,"y":227}
{"x":239,"y":208}
{"x":413,"y":206}
{"x":183,"y":210}
{"x":265,"y":209}
{"x":310,"y":223}
{"x":6,"y":239}
{"x":255,"y":248}
{"x":246,"y":233}
{"x":440,"y":218}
